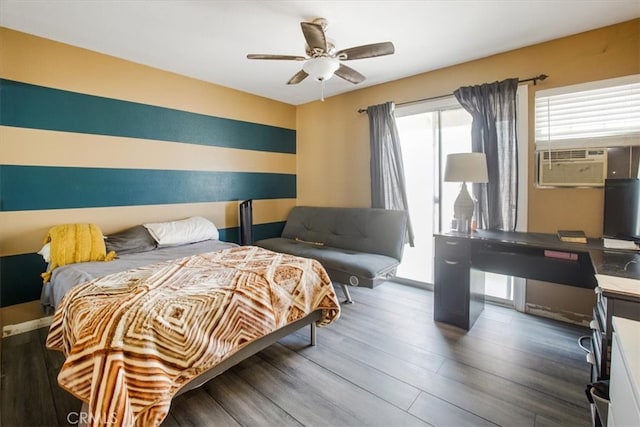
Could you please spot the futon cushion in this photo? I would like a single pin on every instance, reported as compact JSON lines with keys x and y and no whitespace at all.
{"x":357,"y":246}
{"x":362,"y":264}
{"x":375,"y":231}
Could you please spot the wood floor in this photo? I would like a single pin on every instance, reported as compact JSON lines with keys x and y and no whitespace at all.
{"x":384,"y":362}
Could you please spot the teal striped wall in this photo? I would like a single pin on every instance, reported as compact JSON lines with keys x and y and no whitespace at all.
{"x":28,"y":188}
{"x":20,"y":279}
{"x":38,"y":107}
{"x":38,"y":187}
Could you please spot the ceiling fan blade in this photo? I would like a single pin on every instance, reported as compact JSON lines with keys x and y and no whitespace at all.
{"x":366,"y":51}
{"x":349,"y":74}
{"x":285,"y":57}
{"x":314,"y":35}
{"x":297,"y":77}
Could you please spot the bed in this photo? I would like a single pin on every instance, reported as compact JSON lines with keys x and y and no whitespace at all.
{"x":146,"y":327}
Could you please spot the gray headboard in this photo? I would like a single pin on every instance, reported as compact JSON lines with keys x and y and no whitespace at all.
{"x":377,"y":231}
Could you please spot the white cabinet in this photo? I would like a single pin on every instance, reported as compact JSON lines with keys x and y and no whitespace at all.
{"x":624,"y":391}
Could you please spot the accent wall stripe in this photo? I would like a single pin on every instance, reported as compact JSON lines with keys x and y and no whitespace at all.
{"x":38,"y":187}
{"x":36,"y":147}
{"x":31,"y":106}
{"x":23,"y":232}
{"x":31,"y":59}
{"x":20,"y":277}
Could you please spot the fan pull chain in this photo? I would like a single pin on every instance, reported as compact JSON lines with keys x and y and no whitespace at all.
{"x":322,"y":90}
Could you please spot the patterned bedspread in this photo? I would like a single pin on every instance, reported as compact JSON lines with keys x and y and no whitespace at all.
{"x":132,"y":339}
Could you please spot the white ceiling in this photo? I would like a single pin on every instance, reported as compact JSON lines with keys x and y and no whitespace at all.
{"x":209,"y":40}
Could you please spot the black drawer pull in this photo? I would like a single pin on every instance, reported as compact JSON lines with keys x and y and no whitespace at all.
{"x":451,"y":262}
{"x":448,"y":242}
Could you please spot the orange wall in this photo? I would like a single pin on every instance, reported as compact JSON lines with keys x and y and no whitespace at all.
{"x":333,"y":139}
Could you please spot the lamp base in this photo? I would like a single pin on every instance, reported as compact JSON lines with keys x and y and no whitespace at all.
{"x":463,"y":209}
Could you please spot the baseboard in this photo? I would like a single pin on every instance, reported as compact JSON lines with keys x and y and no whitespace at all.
{"x":563,"y":316}
{"x":23,"y":327}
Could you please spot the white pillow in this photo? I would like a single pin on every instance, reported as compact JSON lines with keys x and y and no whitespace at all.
{"x":190,"y":230}
{"x":46,"y":252}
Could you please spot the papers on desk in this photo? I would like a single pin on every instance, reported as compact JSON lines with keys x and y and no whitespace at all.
{"x":619,"y":244}
{"x":619,"y":284}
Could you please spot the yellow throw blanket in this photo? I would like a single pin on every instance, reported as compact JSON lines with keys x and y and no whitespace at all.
{"x":71,"y":243}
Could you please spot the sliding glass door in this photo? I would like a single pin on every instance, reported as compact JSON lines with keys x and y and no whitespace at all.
{"x":418,"y":135}
{"x":427,"y":137}
{"x":428,"y":132}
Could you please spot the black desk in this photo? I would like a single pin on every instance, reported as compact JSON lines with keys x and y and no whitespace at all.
{"x":461,"y":260}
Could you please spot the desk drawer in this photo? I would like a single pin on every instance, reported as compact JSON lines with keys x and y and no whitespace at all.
{"x":532,"y":263}
{"x":452,"y":249}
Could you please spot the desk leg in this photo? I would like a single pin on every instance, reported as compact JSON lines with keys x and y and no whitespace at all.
{"x":476,"y":295}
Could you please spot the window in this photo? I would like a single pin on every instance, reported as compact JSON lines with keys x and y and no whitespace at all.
{"x":605,"y":113}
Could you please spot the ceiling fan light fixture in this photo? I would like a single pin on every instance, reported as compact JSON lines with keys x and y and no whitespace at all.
{"x":321,"y":68}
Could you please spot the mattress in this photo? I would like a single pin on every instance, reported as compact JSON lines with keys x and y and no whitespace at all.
{"x":134,"y":337}
{"x":71,"y":275}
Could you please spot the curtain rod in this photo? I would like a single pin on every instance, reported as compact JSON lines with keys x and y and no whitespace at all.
{"x":535,"y":79}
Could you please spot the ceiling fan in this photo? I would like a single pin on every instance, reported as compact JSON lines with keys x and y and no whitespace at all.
{"x":323,"y":60}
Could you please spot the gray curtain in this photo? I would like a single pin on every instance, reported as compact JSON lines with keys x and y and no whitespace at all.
{"x":388,"y":189}
{"x":494,"y":132}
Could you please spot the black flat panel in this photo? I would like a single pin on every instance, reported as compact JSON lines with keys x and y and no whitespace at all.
{"x":532,"y":263}
{"x":452,"y":281}
{"x":452,"y":249}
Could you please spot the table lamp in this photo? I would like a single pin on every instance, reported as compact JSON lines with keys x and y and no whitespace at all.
{"x":465,"y":167}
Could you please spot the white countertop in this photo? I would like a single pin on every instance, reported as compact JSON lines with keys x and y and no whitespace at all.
{"x":620,"y":285}
{"x":628,"y":332}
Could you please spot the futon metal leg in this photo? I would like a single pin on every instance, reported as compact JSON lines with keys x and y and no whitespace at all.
{"x":313,"y":333}
{"x":345,"y":289}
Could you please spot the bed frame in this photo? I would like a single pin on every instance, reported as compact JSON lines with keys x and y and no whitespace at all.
{"x":242,"y":354}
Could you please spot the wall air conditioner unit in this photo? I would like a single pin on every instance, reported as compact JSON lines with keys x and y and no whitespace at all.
{"x":572,"y":168}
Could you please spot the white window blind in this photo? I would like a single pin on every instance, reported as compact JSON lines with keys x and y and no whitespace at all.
{"x":597,"y":114}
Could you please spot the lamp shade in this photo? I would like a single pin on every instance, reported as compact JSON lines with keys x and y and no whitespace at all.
{"x":321,"y":68}
{"x":466,"y":167}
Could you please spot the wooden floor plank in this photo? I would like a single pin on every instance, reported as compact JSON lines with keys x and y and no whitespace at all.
{"x":306,"y":404}
{"x":459,"y":345}
{"x":438,"y":412}
{"x":245,"y":403}
{"x":522,"y":351}
{"x":553,"y":343}
{"x":198,"y":409}
{"x":541,"y":403}
{"x":388,"y":388}
{"x":480,"y":403}
{"x":26,"y":392}
{"x":369,"y":408}
{"x":170,"y":421}
{"x":384,"y":362}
